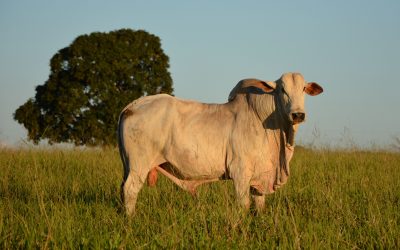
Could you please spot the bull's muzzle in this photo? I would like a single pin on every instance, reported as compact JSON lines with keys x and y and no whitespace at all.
{"x":298,"y":117}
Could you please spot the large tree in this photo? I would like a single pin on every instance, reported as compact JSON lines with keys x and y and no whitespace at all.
{"x":90,"y":82}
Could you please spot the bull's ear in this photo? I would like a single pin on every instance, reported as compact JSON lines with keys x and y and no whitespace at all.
{"x":312,"y":88}
{"x":267,"y":87}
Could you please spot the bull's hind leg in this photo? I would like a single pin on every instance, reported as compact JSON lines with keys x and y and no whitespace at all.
{"x":131,"y":188}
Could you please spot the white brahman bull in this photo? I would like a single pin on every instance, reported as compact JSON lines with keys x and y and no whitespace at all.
{"x":249,"y":139}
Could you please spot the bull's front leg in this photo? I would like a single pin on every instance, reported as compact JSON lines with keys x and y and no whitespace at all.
{"x":242,"y":190}
{"x":258,"y":190}
{"x":259,"y":202}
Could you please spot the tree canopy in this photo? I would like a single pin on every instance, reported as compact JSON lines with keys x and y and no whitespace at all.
{"x":90,"y":82}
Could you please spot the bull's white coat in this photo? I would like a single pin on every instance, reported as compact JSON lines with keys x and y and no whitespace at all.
{"x":248,"y":139}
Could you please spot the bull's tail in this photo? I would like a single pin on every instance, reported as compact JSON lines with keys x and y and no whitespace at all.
{"x":121,"y":142}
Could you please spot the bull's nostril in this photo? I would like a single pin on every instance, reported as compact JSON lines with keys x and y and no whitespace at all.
{"x":298,"y":117}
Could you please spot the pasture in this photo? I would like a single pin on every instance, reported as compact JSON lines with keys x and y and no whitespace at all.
{"x":70,"y":199}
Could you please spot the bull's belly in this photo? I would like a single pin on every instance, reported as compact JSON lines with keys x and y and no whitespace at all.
{"x":200,"y":172}
{"x":194,"y":166}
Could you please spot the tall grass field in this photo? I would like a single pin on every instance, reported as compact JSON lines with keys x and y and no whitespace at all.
{"x":69,"y":199}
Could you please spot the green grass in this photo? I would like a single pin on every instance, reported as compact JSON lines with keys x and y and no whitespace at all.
{"x":70,"y":199}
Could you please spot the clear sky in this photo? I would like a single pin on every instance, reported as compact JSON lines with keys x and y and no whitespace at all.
{"x":351,"y":48}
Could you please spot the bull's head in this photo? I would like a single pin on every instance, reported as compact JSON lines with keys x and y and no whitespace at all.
{"x":291,"y":87}
{"x":289,"y":92}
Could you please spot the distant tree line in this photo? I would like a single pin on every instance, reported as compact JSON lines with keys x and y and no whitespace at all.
{"x":90,"y":81}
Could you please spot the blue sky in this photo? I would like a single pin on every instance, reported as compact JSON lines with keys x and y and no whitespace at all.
{"x":351,"y":48}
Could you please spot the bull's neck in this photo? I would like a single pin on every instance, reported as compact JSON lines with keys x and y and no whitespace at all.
{"x":271,"y":114}
{"x":268,"y":111}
